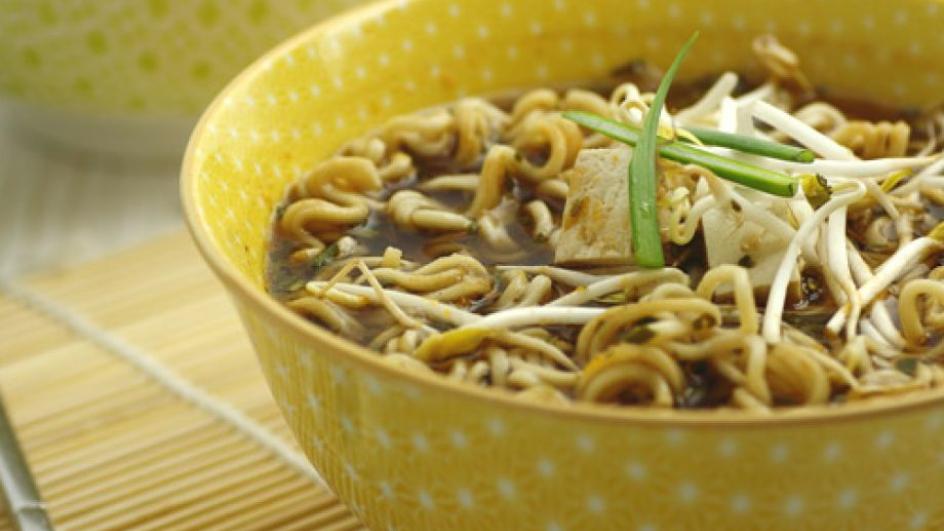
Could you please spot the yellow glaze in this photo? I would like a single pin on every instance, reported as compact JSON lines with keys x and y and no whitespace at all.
{"x":415,"y":452}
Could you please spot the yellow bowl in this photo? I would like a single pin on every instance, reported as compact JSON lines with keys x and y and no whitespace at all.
{"x":408,"y":451}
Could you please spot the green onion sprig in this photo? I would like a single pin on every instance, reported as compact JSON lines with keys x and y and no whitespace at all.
{"x":748,"y":144}
{"x":769,"y":181}
{"x":643,"y":211}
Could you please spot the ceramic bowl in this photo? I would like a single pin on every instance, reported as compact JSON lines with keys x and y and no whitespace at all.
{"x":416,"y":452}
{"x":133,"y":75}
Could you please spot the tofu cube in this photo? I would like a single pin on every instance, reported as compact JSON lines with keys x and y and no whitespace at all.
{"x":595,"y":226}
{"x":729,"y":239}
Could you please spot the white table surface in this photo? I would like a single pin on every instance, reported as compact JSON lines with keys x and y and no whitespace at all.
{"x":59,"y":207}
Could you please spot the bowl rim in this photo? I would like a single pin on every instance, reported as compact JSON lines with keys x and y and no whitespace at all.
{"x":348,"y":351}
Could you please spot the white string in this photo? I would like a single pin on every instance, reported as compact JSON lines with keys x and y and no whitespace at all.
{"x":163,"y":376}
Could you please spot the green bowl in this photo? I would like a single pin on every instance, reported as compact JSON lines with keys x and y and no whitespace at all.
{"x":132,"y":75}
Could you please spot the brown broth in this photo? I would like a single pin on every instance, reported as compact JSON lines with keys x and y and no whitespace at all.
{"x":286,"y":280}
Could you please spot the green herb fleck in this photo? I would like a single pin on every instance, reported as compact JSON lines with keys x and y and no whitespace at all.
{"x":908,"y":366}
{"x":280,"y":211}
{"x":325,"y":257}
{"x":638,"y":334}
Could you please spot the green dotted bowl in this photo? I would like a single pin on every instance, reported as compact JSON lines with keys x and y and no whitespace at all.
{"x":132,"y":75}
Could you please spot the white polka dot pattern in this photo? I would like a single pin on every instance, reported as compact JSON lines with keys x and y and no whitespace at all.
{"x":411,"y":455}
{"x":364,"y":430}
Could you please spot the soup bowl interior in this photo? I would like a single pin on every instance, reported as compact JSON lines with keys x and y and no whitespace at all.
{"x":411,"y":451}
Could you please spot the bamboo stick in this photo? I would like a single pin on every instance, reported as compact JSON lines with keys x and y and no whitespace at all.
{"x":222,"y":515}
{"x":79,"y":455}
{"x":133,"y":479}
{"x":112,"y":450}
{"x":335,"y":517}
{"x":215,"y":508}
{"x":267,"y":515}
{"x":20,"y":496}
{"x":169,"y":484}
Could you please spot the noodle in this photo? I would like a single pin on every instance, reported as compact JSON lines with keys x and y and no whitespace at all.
{"x":435,"y":241}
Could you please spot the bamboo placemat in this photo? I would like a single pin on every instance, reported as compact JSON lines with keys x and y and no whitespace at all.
{"x":139,"y":403}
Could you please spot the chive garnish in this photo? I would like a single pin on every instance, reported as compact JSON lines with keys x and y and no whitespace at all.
{"x":325,"y":257}
{"x":643,"y":211}
{"x":748,"y":144}
{"x":771,"y":182}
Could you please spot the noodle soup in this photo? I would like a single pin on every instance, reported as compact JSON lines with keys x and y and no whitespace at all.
{"x":492,"y":241}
